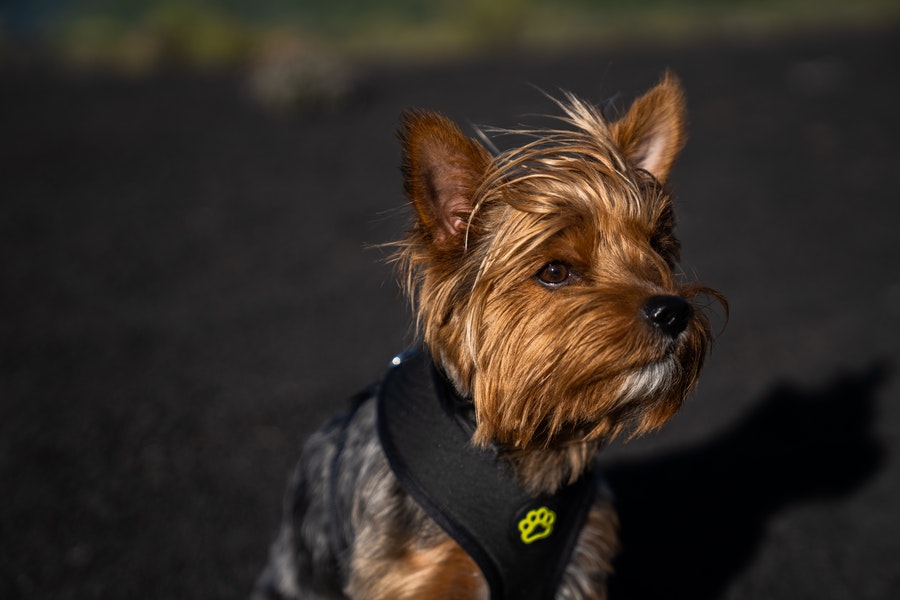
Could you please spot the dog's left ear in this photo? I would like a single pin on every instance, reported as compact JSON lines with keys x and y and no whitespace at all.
{"x":442,"y":170}
{"x":652,"y":132}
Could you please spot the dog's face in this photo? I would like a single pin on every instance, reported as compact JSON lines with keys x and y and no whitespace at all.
{"x":543,"y":278}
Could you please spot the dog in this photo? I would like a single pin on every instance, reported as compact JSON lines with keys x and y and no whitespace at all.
{"x":551,"y":319}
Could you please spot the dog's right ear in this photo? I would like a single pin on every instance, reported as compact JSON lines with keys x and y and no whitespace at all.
{"x":652,"y":132}
{"x":442,"y":169}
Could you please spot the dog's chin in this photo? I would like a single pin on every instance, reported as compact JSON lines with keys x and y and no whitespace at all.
{"x":651,"y":394}
{"x":649,"y":381}
{"x":646,"y":397}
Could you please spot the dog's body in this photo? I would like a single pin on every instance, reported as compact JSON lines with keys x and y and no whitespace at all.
{"x":397,"y":551}
{"x":552,"y":320}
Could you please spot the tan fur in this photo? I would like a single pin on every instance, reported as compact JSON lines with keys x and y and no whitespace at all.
{"x":591,"y":196}
{"x":555,"y":369}
{"x":425,"y":563}
{"x":440,"y":572}
{"x":543,"y":284}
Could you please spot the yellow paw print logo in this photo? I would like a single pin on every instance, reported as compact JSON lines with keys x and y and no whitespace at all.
{"x":537,"y":524}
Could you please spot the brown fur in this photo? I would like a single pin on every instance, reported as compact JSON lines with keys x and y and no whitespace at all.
{"x":543,"y":285}
{"x":591,"y":560}
{"x":440,"y":572}
{"x":591,"y":197}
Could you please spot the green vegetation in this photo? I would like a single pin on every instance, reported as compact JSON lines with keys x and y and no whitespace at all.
{"x":143,"y":35}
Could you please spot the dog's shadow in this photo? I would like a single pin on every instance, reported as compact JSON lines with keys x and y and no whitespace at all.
{"x":692,"y":520}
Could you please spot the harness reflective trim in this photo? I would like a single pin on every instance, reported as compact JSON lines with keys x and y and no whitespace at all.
{"x":521,"y":543}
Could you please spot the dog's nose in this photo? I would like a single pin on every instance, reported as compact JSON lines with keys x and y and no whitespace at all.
{"x":670,"y":314}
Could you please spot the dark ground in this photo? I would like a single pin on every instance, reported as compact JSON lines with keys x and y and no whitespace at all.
{"x":186,"y":294}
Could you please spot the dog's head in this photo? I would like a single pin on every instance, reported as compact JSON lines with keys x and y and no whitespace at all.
{"x":543,"y":278}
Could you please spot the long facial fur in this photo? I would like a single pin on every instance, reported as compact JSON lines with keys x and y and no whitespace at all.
{"x":553,"y":372}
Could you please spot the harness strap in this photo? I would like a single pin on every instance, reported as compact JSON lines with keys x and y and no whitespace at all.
{"x":521,"y":543}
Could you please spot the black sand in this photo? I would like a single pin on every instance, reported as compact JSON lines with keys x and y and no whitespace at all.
{"x":186,"y":293}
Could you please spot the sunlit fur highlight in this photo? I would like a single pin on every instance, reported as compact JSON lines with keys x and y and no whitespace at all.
{"x":555,"y":367}
{"x":554,"y":373}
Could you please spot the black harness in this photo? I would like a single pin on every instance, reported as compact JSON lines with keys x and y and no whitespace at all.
{"x":521,"y":542}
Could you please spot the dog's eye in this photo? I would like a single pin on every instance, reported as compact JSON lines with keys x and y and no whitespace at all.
{"x":664,"y":241}
{"x":667,"y":247}
{"x":554,"y":274}
{"x":661,"y":239}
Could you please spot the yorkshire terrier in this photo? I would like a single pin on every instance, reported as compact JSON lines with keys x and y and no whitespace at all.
{"x":552,"y":320}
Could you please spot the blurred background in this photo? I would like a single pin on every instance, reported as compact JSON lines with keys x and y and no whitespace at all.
{"x":141,"y":37}
{"x":193,"y":199}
